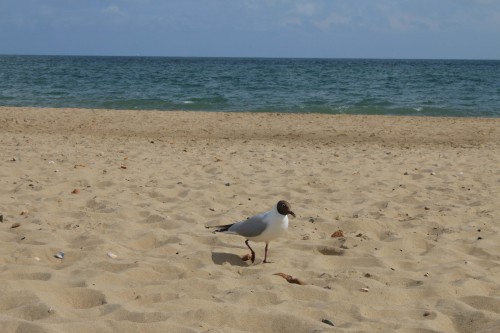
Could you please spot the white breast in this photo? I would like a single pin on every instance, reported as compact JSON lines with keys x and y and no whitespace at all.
{"x":276,"y":227}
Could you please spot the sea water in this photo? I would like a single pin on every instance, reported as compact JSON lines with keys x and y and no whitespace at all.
{"x":466,"y":88}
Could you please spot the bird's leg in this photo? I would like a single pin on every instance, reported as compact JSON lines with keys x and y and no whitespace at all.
{"x":252,"y":251}
{"x":265,"y":255}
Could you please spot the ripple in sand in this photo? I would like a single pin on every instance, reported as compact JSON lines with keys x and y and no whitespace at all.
{"x":32,"y":276}
{"x":82,"y":298}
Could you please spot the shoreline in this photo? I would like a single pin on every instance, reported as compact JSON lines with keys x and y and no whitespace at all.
{"x":383,"y":129}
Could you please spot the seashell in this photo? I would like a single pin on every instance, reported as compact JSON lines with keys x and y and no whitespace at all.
{"x":246,"y":257}
{"x":328,"y":322}
{"x":365,"y":290}
{"x":111,"y":255}
{"x":337,"y":234}
{"x":15,"y":225}
{"x":59,"y":255}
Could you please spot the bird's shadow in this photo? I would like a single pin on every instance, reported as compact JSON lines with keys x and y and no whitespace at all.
{"x":220,"y":258}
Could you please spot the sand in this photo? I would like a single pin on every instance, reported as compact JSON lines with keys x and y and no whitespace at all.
{"x":126,"y":195}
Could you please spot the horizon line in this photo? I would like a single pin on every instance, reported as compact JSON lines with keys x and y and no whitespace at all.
{"x":243,"y":57}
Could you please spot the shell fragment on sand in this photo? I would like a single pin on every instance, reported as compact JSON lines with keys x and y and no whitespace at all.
{"x":290,"y":278}
{"x":59,"y":255}
{"x":111,"y":255}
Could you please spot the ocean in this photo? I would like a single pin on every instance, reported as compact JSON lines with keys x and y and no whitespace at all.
{"x":463,"y":88}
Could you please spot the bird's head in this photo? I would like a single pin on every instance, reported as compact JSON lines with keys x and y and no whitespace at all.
{"x":284,"y":208}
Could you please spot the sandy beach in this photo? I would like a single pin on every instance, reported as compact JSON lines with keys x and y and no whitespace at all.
{"x":413,"y":204}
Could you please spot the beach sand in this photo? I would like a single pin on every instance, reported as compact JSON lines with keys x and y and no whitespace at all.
{"x":126,"y":195}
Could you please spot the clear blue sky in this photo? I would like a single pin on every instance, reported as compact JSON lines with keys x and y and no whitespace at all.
{"x":463,"y":29}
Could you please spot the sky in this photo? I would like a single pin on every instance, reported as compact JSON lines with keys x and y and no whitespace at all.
{"x":407,"y":29}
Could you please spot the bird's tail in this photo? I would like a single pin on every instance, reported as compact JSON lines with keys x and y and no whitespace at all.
{"x":220,"y":228}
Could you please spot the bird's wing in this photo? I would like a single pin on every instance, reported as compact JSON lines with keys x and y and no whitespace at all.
{"x":252,"y":227}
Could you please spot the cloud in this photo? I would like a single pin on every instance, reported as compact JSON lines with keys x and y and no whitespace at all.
{"x":332,"y":19}
{"x":113,"y":10}
{"x":309,"y":14}
{"x":117,"y":16}
{"x":408,"y":22}
{"x":306,"y":9}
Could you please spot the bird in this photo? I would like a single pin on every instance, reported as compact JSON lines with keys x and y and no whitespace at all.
{"x":263,"y":227}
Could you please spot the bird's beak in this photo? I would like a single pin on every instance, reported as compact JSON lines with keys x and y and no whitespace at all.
{"x":291,"y":213}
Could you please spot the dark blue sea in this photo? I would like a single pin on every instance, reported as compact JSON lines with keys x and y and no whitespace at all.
{"x":465,"y":88}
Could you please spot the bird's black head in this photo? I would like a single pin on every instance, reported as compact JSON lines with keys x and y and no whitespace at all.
{"x":284,"y":208}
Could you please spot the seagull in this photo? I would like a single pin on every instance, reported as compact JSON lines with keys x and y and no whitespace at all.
{"x":262,"y":227}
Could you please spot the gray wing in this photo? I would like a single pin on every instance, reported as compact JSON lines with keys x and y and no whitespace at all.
{"x":252,"y":227}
